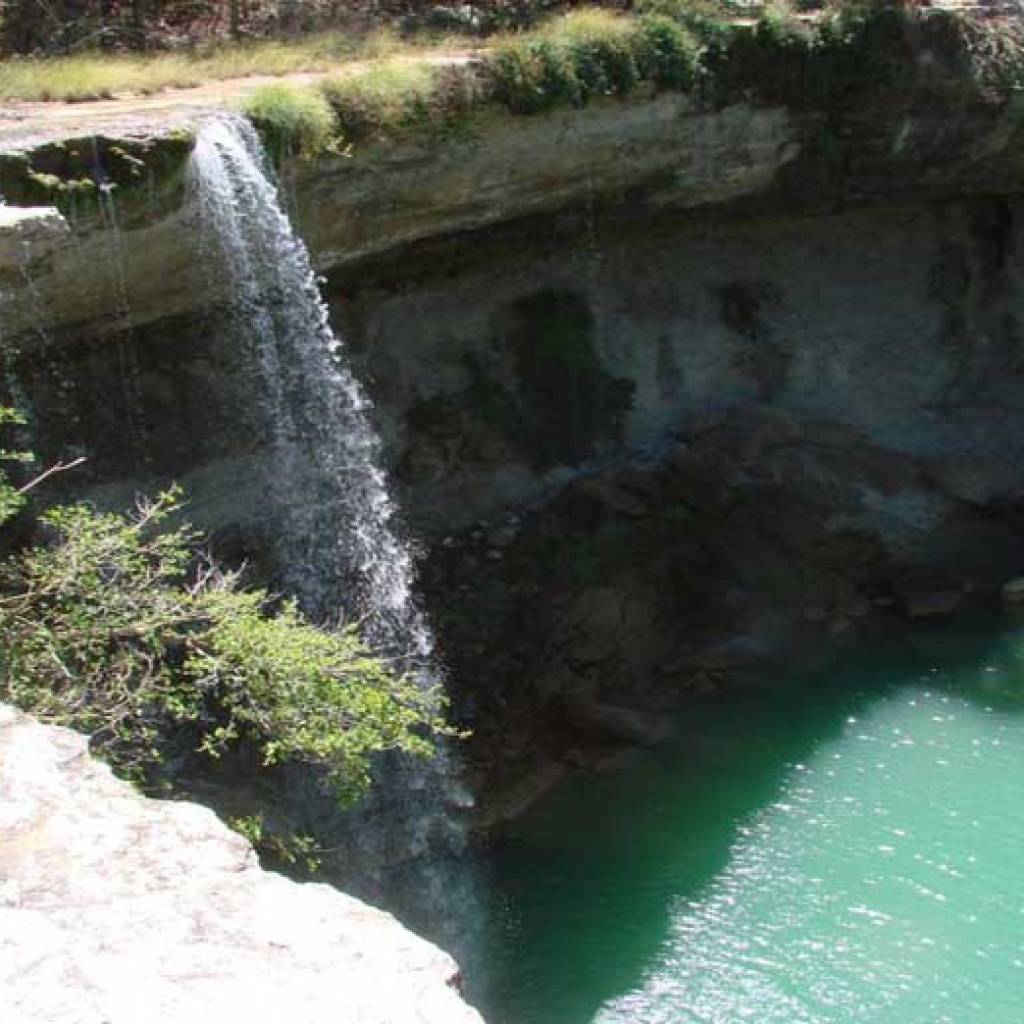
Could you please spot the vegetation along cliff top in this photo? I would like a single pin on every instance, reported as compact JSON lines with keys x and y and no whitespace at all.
{"x":427,"y":70}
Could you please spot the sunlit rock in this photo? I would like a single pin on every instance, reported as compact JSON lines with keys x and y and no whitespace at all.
{"x":119,"y":909}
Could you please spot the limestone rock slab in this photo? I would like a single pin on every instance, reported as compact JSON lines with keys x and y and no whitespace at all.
{"x":116,"y":909}
{"x":30,"y":232}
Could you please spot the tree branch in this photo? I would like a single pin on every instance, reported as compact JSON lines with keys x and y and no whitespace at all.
{"x":59,"y":467}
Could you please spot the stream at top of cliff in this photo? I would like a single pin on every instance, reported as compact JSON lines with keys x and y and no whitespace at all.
{"x":838,"y":848}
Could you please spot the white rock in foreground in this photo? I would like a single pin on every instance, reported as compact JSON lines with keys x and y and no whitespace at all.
{"x":115,"y":909}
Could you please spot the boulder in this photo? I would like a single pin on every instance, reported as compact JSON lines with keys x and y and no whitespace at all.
{"x":614,"y":722}
{"x":29,"y":233}
{"x":119,"y":909}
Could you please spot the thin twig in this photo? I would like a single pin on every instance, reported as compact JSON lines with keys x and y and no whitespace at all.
{"x":59,"y":467}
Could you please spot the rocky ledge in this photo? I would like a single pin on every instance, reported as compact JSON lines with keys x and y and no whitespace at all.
{"x":116,"y":909}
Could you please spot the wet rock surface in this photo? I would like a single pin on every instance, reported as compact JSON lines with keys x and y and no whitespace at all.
{"x":761,"y":543}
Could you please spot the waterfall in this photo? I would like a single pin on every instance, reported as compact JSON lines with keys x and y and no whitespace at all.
{"x":342,"y":533}
{"x":334,"y":520}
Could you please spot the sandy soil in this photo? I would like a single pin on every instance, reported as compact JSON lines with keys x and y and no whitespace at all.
{"x":23,"y":125}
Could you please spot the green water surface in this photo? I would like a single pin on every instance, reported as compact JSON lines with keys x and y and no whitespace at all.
{"x":848,"y":847}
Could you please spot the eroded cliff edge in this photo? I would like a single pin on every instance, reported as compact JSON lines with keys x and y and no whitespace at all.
{"x":116,"y":908}
{"x":673,"y":388}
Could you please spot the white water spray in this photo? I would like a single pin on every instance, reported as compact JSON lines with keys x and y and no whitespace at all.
{"x":336,"y":541}
{"x":321,"y":424}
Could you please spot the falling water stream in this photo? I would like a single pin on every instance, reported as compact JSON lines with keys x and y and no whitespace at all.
{"x":340,"y":537}
{"x":335,"y":537}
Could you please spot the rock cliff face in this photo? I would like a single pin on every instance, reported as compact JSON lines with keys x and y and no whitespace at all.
{"x":668,"y":391}
{"x":114,"y":908}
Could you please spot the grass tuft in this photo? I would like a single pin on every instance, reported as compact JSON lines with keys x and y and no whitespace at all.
{"x":386,"y":97}
{"x":292,"y":120}
{"x":590,"y":53}
{"x":402,"y":95}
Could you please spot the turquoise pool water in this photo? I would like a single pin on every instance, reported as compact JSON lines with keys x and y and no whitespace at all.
{"x":847,"y":847}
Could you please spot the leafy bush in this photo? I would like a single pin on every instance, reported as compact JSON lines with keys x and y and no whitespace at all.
{"x":533,"y":75}
{"x":283,"y":849}
{"x":389,"y":96}
{"x":400,"y":95}
{"x":708,"y":20}
{"x":864,"y":51}
{"x":292,"y":120}
{"x":586,"y":54}
{"x":666,"y":53}
{"x":115,"y":628}
{"x":986,"y":52}
{"x":11,"y":497}
{"x":769,"y":60}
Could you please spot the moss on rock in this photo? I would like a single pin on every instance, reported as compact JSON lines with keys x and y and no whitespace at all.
{"x":145,"y":176}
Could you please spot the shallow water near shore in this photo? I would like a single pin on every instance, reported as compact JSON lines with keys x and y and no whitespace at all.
{"x":842,"y":847}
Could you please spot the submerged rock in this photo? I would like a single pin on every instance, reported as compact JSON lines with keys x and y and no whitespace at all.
{"x":611,"y":721}
{"x":927,"y":603}
{"x":119,"y":909}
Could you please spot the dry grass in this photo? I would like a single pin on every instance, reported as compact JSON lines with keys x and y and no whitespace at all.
{"x":102,"y":76}
{"x":582,"y":24}
{"x":91,"y":76}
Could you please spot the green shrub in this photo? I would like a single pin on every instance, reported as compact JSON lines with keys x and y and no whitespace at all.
{"x":586,"y":54}
{"x":854,"y":52}
{"x":987,"y":53}
{"x":113,"y":628}
{"x":292,"y":120}
{"x":865,"y":51}
{"x":768,"y":61}
{"x":11,"y":497}
{"x":533,"y":75}
{"x":399,"y":95}
{"x":389,"y":96}
{"x":708,"y":20}
{"x":600,"y":49}
{"x":279,"y":849}
{"x":666,"y":53}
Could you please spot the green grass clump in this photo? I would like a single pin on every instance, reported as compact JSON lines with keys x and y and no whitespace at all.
{"x":708,"y":20}
{"x":587,"y":54}
{"x":667,"y":53}
{"x":383,"y":98}
{"x":292,"y":120}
